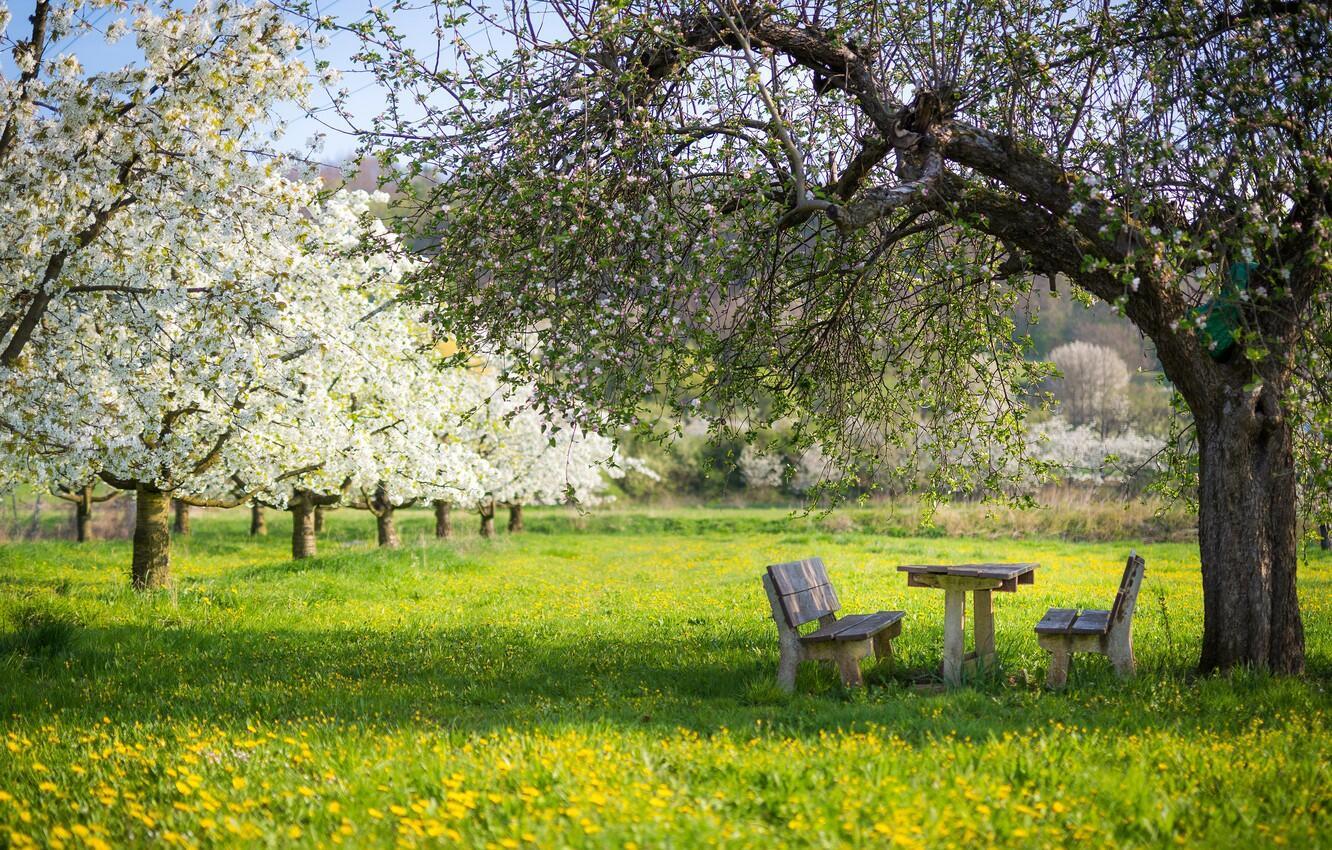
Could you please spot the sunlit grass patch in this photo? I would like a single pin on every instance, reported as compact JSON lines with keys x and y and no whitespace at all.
{"x":609,"y":690}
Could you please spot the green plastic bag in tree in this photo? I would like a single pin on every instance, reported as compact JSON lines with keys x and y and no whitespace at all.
{"x":1221,"y":315}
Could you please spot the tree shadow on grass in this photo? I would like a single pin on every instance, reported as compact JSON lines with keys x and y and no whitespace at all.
{"x":502,"y":677}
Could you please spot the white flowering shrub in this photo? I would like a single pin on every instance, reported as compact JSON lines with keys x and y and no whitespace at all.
{"x":759,"y":468}
{"x":536,"y":460}
{"x":1094,"y":385}
{"x":1080,"y":453}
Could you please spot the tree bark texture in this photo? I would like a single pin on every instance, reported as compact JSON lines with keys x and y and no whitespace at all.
{"x":1247,"y":512}
{"x":319,"y":519}
{"x":83,"y":515}
{"x":151,"y":561}
{"x":181,"y":525}
{"x":302,"y":528}
{"x":382,"y":507}
{"x":443,"y":521}
{"x":487,"y":511}
{"x":516,"y":518}
{"x":258,"y":522}
{"x":387,"y":530}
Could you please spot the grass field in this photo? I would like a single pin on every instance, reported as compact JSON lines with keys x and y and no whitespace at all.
{"x":613,"y":687}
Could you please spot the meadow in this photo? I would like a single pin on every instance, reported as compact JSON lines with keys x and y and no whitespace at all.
{"x":609,"y":682}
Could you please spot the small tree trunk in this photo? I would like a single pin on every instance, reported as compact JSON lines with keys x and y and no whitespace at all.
{"x":34,"y":529}
{"x":83,"y":515}
{"x":1247,"y":534}
{"x":319,"y":519}
{"x":443,"y":522}
{"x":151,"y":562}
{"x":382,"y":508}
{"x":487,"y":511}
{"x":516,"y":518}
{"x":388,"y":532}
{"x":182,"y":524}
{"x":258,"y":522}
{"x":1324,"y":537}
{"x":302,"y":528}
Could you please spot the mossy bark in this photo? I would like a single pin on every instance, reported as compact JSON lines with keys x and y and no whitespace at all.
{"x":387,"y":530}
{"x":302,"y":528}
{"x":181,"y":526}
{"x":1247,"y":512}
{"x":443,"y":520}
{"x":151,"y":560}
{"x":83,"y":515}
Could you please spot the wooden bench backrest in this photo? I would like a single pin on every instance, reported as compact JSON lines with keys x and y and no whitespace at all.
{"x":803,"y":590}
{"x":1129,"y":585}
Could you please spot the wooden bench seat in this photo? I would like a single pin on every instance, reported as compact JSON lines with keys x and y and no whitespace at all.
{"x":1068,"y":621}
{"x":854,"y":627}
{"x":1064,"y":631}
{"x":800,"y":592}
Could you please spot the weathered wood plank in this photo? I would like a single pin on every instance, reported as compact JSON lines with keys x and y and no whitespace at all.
{"x":1129,"y":585}
{"x":806,"y":605}
{"x":983,"y":622}
{"x":827,"y":633}
{"x":1056,"y":621}
{"x":795,"y":576}
{"x":954,"y":637}
{"x":1001,"y":572}
{"x":1091,"y":623}
{"x":855,"y":627}
{"x":965,"y":583}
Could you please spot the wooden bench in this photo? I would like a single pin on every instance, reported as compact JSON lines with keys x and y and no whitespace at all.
{"x":1064,"y":631}
{"x":799,"y":593}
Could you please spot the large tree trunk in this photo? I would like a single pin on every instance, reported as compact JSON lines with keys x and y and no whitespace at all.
{"x":487,"y":511}
{"x":83,"y":515}
{"x":182,"y":524}
{"x":1247,"y":533}
{"x":1324,"y":537}
{"x":516,"y":518}
{"x":319,"y":512}
{"x":302,"y":528}
{"x":258,"y":522}
{"x":151,"y":562}
{"x":443,"y":522}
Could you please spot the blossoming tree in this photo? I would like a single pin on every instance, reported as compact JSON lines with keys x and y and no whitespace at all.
{"x":833,"y":205}
{"x":240,"y":385}
{"x":88,"y":161}
{"x":535,"y":459}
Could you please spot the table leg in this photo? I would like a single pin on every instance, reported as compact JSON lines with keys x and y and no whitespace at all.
{"x":984,"y":627}
{"x":955,"y":612}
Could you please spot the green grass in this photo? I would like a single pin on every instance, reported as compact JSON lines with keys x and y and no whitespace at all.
{"x":613,"y":687}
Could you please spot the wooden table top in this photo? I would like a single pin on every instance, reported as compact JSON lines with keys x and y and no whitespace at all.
{"x":998,"y":572}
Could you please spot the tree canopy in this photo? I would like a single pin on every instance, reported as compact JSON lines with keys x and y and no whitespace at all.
{"x":825,"y":209}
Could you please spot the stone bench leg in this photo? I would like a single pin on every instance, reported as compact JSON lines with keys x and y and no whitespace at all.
{"x":1061,"y":657}
{"x":1119,"y":646}
{"x":883,"y":646}
{"x":848,"y":664}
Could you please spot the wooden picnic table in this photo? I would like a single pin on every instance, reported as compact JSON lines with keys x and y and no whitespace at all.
{"x":956,"y":581}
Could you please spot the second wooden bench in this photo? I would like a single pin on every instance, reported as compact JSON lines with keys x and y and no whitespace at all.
{"x":800,"y":592}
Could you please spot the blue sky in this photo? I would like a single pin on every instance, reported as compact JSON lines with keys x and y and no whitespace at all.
{"x":364,"y":102}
